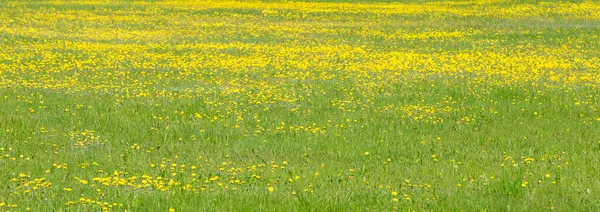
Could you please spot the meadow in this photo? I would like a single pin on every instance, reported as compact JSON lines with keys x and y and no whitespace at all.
{"x":299,"y":106}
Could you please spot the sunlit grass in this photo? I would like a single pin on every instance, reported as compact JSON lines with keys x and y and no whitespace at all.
{"x":319,"y":105}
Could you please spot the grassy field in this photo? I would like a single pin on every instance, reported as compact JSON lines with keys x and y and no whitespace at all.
{"x":299,"y":106}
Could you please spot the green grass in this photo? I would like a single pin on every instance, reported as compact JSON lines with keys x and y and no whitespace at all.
{"x":449,"y":105}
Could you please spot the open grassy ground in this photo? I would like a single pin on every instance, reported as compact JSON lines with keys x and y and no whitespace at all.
{"x":325,"y":106}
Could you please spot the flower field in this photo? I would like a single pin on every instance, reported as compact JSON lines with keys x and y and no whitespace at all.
{"x":300,"y":106}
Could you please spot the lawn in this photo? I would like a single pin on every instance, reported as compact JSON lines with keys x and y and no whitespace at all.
{"x":299,"y":106}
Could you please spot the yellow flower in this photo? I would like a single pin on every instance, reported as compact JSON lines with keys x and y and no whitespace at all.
{"x":171,"y":209}
{"x":67,"y":189}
